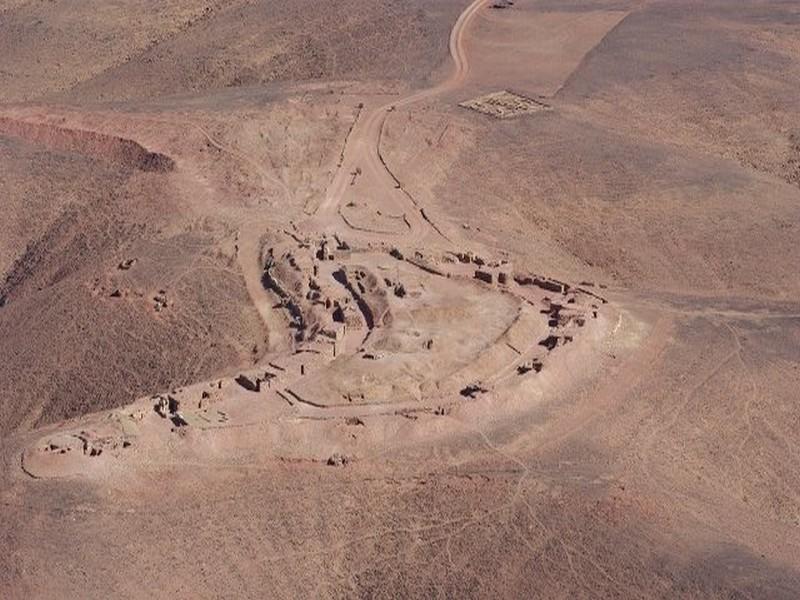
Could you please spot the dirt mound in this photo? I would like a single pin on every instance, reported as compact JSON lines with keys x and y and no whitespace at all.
{"x":102,"y":329}
{"x":124,"y":152}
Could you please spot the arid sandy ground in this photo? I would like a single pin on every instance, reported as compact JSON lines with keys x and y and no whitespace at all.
{"x":381,"y":299}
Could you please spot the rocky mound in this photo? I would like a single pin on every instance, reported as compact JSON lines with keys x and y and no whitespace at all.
{"x":124,"y":152}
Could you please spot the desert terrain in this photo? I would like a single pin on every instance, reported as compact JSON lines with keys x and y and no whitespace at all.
{"x":374,"y":299}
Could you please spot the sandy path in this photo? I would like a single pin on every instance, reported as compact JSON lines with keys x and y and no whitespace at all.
{"x":362,"y":150}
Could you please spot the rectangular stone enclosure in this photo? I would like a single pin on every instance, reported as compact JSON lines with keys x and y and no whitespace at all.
{"x":504,"y":104}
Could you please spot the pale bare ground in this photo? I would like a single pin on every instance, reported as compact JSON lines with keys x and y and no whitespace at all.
{"x":470,"y":374}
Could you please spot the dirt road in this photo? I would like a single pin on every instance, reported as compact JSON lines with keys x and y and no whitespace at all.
{"x":362,"y":153}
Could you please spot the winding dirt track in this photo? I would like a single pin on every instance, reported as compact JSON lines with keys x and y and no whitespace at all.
{"x":362,"y":150}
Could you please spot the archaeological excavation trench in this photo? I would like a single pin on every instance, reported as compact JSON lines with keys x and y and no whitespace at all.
{"x":376,"y":324}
